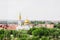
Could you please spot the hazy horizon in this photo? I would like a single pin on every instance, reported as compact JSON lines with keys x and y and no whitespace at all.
{"x":30,"y":9}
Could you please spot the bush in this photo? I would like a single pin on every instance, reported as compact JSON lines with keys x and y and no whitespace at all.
{"x":30,"y":31}
{"x":40,"y":32}
{"x":33,"y":38}
{"x":32,"y":34}
{"x":44,"y":38}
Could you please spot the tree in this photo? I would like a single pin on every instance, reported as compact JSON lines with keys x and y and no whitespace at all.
{"x":40,"y":32}
{"x":30,"y":31}
{"x":44,"y":38}
{"x":57,"y":25}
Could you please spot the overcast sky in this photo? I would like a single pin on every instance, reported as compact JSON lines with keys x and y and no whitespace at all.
{"x":30,"y":9}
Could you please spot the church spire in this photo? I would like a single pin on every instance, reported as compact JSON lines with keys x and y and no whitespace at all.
{"x":19,"y":22}
{"x":19,"y":16}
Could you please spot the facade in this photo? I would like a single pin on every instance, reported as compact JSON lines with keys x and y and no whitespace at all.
{"x":25,"y":26}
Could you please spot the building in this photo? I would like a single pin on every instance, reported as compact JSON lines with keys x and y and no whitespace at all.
{"x":8,"y":25}
{"x":45,"y":25}
{"x":17,"y":24}
{"x":25,"y":26}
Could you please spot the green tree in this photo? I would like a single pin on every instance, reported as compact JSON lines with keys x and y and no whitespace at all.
{"x":44,"y":38}
{"x":57,"y":25}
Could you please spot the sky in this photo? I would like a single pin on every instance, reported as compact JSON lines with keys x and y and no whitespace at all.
{"x":30,"y":9}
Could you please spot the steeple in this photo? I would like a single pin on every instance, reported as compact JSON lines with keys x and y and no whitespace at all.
{"x":19,"y":22}
{"x":19,"y":16}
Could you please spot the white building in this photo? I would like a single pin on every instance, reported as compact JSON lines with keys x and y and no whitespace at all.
{"x":26,"y":25}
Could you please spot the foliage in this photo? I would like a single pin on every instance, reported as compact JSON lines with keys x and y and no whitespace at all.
{"x":44,"y":38}
{"x":57,"y":25}
{"x":32,"y":34}
{"x":37,"y":22}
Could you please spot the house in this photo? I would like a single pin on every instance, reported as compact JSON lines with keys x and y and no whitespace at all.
{"x":45,"y":25}
{"x":8,"y":25}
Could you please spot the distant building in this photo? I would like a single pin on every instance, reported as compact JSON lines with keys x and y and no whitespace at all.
{"x":16,"y":25}
{"x":45,"y":25}
{"x":8,"y":25}
{"x":25,"y":26}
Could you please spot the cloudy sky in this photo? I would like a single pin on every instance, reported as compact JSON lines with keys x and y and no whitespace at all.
{"x":30,"y":9}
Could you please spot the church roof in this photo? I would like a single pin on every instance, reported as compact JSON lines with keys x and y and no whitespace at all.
{"x":26,"y":21}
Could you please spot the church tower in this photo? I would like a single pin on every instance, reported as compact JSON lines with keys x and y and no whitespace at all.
{"x":19,"y":21}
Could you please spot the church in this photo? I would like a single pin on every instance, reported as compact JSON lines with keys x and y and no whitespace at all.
{"x":26,"y":24}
